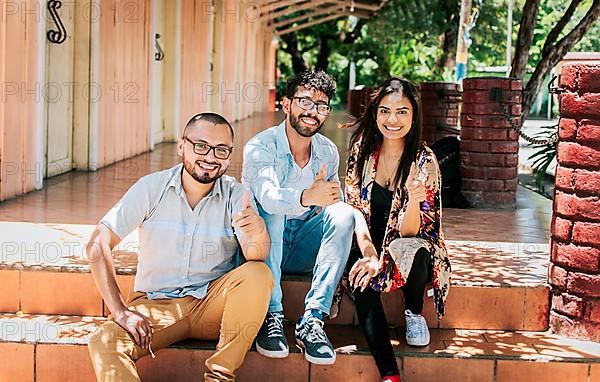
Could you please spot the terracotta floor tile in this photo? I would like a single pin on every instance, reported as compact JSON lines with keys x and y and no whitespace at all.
{"x":294,"y":368}
{"x":470,"y":307}
{"x":430,"y":311}
{"x":345,"y":337}
{"x":564,"y":351}
{"x":562,"y":345}
{"x":488,"y":263}
{"x":426,"y":369}
{"x":480,"y":309}
{"x":393,"y":305}
{"x":9,"y":291}
{"x":47,"y":329}
{"x":60,"y":293}
{"x":173,"y":365}
{"x":75,"y":363}
{"x":434,"y":346}
{"x":515,"y":337}
{"x":467,"y":348}
{"x":294,"y":293}
{"x":457,"y":335}
{"x":17,"y":362}
{"x":355,"y":368}
{"x":520,"y":371}
{"x":347,"y":313}
{"x":535,"y":316}
{"x":595,"y":372}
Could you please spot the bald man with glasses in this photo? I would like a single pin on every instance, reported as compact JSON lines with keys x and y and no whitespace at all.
{"x":200,"y":271}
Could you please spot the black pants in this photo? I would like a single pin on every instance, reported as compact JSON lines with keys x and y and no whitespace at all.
{"x":372,"y":317}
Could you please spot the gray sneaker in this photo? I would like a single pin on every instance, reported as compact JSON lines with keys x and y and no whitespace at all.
{"x":311,"y":337}
{"x":270,"y":340}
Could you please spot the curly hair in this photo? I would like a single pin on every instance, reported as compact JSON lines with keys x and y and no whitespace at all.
{"x":312,"y":79}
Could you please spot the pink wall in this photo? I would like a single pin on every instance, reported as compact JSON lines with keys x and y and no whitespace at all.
{"x":196,"y":45}
{"x":125,"y":47}
{"x":20,"y":164}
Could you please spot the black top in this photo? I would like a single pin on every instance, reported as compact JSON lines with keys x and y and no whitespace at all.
{"x":381,"y":204}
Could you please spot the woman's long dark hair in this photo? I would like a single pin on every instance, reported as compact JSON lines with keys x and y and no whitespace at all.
{"x":370,"y":136}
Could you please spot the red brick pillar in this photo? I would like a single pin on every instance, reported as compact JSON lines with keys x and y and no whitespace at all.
{"x":440,"y":102}
{"x":489,"y":149}
{"x":574,"y":271}
{"x":357,"y":100}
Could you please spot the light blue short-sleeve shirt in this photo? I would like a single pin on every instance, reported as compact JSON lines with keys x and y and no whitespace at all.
{"x":180,"y":250}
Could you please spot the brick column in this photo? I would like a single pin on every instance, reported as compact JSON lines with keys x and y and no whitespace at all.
{"x":440,"y":102}
{"x":574,"y":271}
{"x":489,"y":148}
{"x":358,"y":100}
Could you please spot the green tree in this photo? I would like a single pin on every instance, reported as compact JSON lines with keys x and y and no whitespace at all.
{"x":332,"y":46}
{"x":418,"y":37}
{"x":562,"y":28}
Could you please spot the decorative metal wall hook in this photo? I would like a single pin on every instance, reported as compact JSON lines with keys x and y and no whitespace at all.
{"x":160,"y":55}
{"x":56,"y":36}
{"x":555,"y":89}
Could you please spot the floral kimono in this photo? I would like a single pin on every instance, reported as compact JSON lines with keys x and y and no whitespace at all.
{"x":398,"y":252}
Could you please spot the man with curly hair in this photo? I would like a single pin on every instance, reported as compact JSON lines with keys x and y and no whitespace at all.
{"x":293,"y":172}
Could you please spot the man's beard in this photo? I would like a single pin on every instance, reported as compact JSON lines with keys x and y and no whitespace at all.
{"x":305,"y":131}
{"x":204,"y":177}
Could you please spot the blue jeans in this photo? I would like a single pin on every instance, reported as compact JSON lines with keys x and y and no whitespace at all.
{"x":320,"y":244}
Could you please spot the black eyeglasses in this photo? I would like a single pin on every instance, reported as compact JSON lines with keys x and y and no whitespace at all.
{"x":308,"y":104}
{"x":202,"y":148}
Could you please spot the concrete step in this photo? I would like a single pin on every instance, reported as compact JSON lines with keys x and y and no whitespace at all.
{"x":53,"y":348}
{"x":495,"y":285}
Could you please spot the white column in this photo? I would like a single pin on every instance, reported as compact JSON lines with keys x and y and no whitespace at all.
{"x":509,"y":27}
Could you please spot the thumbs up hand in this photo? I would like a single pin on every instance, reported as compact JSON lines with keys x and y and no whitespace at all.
{"x":322,"y":193}
{"x":415,"y":187}
{"x":246,"y":200}
{"x":247,"y":220}
{"x":322,"y":173}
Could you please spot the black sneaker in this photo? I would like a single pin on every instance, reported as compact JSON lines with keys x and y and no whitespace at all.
{"x":270,"y":340}
{"x":311,"y":337}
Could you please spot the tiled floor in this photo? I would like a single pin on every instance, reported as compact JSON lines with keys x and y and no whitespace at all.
{"x":76,"y":330}
{"x":33,"y":345}
{"x":83,"y":197}
{"x":47,"y":229}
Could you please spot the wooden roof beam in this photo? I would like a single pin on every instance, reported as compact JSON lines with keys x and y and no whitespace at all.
{"x":297,"y":8}
{"x":316,"y":12}
{"x":359,"y":5}
{"x":311,"y":23}
{"x":265,"y":9}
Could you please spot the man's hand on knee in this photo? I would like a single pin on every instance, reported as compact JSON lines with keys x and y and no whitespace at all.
{"x":137,"y":325}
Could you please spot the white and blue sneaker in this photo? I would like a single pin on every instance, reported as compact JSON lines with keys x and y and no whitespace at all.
{"x":270,"y":340}
{"x":417,"y":332}
{"x":311,"y":337}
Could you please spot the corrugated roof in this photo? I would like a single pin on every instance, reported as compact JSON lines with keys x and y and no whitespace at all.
{"x":291,"y":15}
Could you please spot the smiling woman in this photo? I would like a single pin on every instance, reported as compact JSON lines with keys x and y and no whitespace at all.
{"x":394,"y":113}
{"x":393,"y":182}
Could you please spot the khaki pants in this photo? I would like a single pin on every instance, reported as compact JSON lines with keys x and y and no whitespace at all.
{"x":232,"y":311}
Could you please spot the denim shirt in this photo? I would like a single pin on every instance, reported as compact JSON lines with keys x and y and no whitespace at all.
{"x":268,"y":165}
